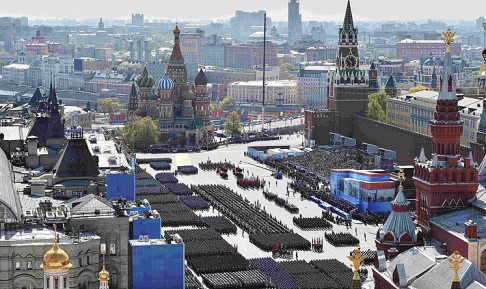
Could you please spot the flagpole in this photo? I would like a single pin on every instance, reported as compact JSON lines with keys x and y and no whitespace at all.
{"x":264,"y":64}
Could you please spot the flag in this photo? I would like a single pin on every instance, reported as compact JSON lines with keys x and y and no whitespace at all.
{"x":259,"y":117}
{"x":288,"y":112}
{"x":281,"y":113}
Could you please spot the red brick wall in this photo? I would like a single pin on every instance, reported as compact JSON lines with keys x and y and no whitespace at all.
{"x":453,"y":243}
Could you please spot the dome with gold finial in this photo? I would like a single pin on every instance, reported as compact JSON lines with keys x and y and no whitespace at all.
{"x":145,"y":79}
{"x":56,"y":258}
{"x":177,"y":30}
{"x":103,"y":275}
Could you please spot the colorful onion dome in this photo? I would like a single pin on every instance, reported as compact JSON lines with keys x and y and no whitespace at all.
{"x":145,"y":79}
{"x":165,"y":83}
{"x":201,"y":79}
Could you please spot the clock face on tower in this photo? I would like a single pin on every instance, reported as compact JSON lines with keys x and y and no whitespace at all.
{"x":350,"y":62}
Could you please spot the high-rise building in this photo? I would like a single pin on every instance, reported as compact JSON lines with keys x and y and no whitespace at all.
{"x":294,"y":21}
{"x":448,"y":181}
{"x":138,"y":20}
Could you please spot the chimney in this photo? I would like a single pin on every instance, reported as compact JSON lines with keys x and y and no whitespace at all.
{"x":444,"y":247}
{"x":471,"y":230}
{"x":392,"y":252}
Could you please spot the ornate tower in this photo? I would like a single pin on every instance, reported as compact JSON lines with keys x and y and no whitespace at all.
{"x":101,"y":25}
{"x":433,"y":83}
{"x":104,"y":277}
{"x":145,"y":82}
{"x":373,"y":78}
{"x":446,"y":182}
{"x":56,"y":267}
{"x":55,"y":128}
{"x":176,"y":68}
{"x":133,"y":101}
{"x":391,"y":87}
{"x":398,"y":230}
{"x":348,"y":58}
{"x":201,"y":104}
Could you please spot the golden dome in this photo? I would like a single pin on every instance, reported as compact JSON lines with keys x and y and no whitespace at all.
{"x":177,"y":30}
{"x":56,"y":258}
{"x":103,"y":275}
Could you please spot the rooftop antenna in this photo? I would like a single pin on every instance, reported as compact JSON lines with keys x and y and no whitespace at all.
{"x":264,"y":64}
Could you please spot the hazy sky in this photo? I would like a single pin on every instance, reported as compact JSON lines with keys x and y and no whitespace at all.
{"x":324,"y":10}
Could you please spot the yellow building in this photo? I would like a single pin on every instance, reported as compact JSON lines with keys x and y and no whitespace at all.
{"x":413,"y":111}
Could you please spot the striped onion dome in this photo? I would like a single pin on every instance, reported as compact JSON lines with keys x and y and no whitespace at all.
{"x":145,"y":79}
{"x":165,"y":83}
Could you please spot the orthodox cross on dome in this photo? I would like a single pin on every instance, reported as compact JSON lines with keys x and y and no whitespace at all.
{"x":456,"y":261}
{"x":401,"y":177}
{"x":448,"y":39}
{"x":55,"y":233}
{"x":356,"y":259}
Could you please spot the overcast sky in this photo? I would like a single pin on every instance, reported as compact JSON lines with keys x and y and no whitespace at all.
{"x":323,"y":10}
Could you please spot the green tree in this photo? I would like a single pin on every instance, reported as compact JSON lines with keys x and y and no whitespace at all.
{"x":377,"y":106}
{"x":288,"y":67}
{"x":109,"y":104}
{"x":418,"y":88}
{"x":232,"y":124}
{"x":140,"y":133}
{"x":227,"y":103}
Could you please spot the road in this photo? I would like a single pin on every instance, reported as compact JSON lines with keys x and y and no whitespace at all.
{"x":234,"y":153}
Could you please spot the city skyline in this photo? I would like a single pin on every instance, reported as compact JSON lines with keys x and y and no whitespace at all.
{"x":277,"y":10}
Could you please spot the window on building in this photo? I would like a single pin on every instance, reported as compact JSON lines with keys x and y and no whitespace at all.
{"x":87,"y":260}
{"x":112,"y":249}
{"x":80,"y":261}
{"x":17,"y":265}
{"x":29,"y":265}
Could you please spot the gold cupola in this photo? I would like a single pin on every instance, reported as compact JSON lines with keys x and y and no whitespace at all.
{"x":56,"y":258}
{"x":103,"y":275}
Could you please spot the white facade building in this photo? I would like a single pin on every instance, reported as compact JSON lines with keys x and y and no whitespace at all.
{"x":15,"y":73}
{"x":281,"y":92}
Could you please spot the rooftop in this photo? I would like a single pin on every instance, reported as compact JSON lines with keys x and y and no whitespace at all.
{"x":282,"y":83}
{"x":424,"y":41}
{"x":18,"y":66}
{"x":454,"y":222}
{"x":105,"y":150}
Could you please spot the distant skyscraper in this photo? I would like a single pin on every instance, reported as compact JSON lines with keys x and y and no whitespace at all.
{"x":294,"y":21}
{"x":138,"y":20}
{"x":101,"y":25}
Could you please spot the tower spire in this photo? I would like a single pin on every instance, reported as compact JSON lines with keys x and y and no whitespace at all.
{"x":448,"y":84}
{"x":348,"y":18}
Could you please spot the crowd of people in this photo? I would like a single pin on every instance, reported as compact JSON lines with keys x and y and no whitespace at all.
{"x":322,"y":162}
